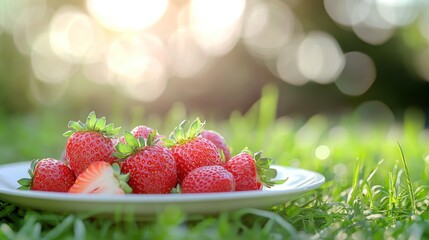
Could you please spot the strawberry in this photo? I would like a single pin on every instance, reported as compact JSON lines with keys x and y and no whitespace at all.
{"x":151,"y":167}
{"x":141,"y":131}
{"x":251,"y":173}
{"x":219,"y":141}
{"x":48,"y":174}
{"x":101,"y":177}
{"x":208,"y":179}
{"x":190,"y":150}
{"x":89,"y":142}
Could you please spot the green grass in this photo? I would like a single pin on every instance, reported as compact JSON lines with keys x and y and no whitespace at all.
{"x":376,"y":170}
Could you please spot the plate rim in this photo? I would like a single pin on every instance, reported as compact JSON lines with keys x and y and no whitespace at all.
{"x":317,"y":181}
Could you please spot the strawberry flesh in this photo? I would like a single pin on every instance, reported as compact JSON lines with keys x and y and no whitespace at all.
{"x":99,"y":177}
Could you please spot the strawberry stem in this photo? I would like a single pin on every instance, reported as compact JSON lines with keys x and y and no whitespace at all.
{"x":265,"y":173}
{"x":133,"y":144}
{"x":181,"y":136}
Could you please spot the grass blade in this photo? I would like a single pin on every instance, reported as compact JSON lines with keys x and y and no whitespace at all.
{"x":409,"y":183}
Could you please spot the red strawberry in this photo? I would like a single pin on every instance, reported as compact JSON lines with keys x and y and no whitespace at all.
{"x":151,"y":167}
{"x":251,"y":173}
{"x":190,"y":150}
{"x":141,"y":131}
{"x":101,"y":177}
{"x":89,"y":142}
{"x":48,"y":175}
{"x":208,"y":179}
{"x":219,"y":141}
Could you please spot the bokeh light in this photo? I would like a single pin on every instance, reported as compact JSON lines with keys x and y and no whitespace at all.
{"x":287,"y":65}
{"x":273,"y":19}
{"x":47,"y":66}
{"x":138,"y":46}
{"x":358,"y":75}
{"x":128,"y":56}
{"x":322,"y":152}
{"x":186,"y":57}
{"x":73,"y":36}
{"x":127,"y":14}
{"x":215,"y":25}
{"x":347,"y":12}
{"x":398,"y":12}
{"x":29,"y":23}
{"x":421,"y":63}
{"x":320,"y":58}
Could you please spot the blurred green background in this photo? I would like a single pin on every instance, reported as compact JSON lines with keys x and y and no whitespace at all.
{"x":141,"y":59}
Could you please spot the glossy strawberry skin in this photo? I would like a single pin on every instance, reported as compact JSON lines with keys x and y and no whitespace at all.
{"x":152,"y":170}
{"x":243,"y":167}
{"x":208,"y":179}
{"x":219,"y":141}
{"x":53,"y":176}
{"x":195,"y":153}
{"x":84,"y":148}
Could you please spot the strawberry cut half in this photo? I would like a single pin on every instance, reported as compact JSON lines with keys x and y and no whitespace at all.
{"x":102,"y":178}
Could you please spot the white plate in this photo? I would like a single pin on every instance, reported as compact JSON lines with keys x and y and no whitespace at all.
{"x":299,"y":181}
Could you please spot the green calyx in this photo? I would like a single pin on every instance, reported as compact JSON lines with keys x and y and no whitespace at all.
{"x":133,"y":144}
{"x":266,"y":174}
{"x":93,"y":124}
{"x":180,"y":135}
{"x":122,"y":178}
{"x":26,"y":182}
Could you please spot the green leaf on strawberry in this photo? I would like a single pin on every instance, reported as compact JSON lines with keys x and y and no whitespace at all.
{"x":133,"y":144}
{"x":26,"y":182}
{"x":92,"y":124}
{"x":181,"y":136}
{"x":251,"y":172}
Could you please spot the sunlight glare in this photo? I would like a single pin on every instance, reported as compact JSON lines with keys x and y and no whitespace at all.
{"x":186,"y":58}
{"x":47,"y":66}
{"x":215,"y":24}
{"x":73,"y":35}
{"x":127,"y":56}
{"x":147,"y":87}
{"x":127,"y":14}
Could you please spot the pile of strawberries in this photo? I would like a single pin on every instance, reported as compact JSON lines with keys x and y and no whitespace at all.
{"x":191,"y":160}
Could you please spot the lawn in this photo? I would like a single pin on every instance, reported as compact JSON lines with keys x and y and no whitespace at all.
{"x":375,"y":167}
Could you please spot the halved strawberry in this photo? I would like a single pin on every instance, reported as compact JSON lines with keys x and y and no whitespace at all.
{"x":101,"y":177}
